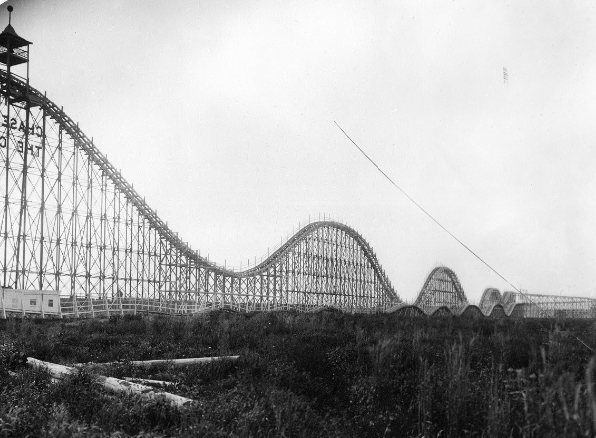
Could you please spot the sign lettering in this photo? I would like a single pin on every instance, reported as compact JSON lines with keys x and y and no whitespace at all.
{"x":34,"y":129}
{"x":34,"y":149}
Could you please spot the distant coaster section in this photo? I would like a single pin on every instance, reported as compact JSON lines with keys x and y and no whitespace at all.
{"x":443,"y":295}
{"x":441,"y":289}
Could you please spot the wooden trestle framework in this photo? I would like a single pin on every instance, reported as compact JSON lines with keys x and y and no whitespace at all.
{"x":442,"y":294}
{"x":441,"y":289}
{"x":71,"y":223}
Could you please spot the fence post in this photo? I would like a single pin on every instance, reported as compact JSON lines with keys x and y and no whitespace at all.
{"x":75,"y":305}
{"x":3,"y":314}
{"x":42,"y":312}
{"x":106,"y":305}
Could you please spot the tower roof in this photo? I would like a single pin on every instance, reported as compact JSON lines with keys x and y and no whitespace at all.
{"x":15,"y":40}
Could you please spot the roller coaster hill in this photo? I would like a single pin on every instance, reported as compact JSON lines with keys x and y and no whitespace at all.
{"x":77,"y":240}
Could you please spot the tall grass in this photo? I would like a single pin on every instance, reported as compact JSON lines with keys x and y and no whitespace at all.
{"x":303,"y":375}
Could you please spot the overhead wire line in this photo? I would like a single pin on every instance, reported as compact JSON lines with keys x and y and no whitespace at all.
{"x":447,"y":231}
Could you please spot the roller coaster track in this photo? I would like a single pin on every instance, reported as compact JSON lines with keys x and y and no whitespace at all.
{"x":441,"y":289}
{"x":22,"y":92}
{"x":442,"y":295}
{"x":107,"y":250}
{"x":83,"y":236}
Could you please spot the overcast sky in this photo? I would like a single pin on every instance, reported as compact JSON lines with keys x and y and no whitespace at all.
{"x":221,"y":113}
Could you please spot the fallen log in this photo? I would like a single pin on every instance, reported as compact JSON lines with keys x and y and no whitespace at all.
{"x":182,"y":362}
{"x":149,"y":381}
{"x":173,"y":362}
{"x":112,"y":384}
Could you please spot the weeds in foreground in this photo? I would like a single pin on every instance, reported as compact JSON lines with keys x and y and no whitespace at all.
{"x":304,"y":375}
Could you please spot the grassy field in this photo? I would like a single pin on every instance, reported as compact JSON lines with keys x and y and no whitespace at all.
{"x":306,"y":375}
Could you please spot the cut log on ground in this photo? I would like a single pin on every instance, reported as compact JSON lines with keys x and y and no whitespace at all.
{"x":182,"y":362}
{"x":149,"y":381}
{"x":173,"y":362}
{"x":112,"y":384}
